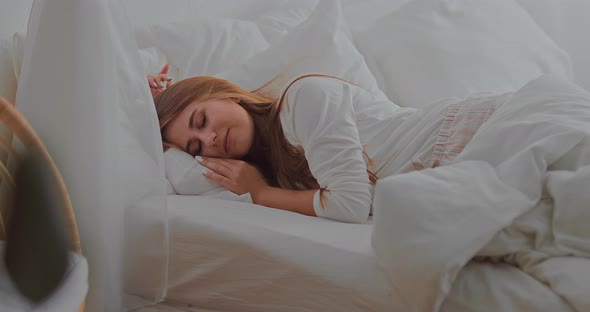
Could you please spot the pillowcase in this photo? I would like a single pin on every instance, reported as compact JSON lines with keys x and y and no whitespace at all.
{"x":203,"y":46}
{"x":431,"y":49}
{"x":320,"y":44}
{"x":185,"y":177}
{"x":185,"y":174}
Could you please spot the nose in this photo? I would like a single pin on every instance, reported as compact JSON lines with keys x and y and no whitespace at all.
{"x":209,"y":138}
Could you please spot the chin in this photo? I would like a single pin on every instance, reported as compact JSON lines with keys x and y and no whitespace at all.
{"x":241,"y":155}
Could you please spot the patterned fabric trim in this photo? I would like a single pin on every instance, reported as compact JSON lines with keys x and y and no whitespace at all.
{"x":462,"y":121}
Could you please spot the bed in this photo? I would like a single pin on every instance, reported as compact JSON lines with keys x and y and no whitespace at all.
{"x":250,"y":259}
{"x":216,"y":252}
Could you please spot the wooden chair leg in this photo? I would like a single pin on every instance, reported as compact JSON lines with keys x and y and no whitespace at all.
{"x":82,"y":306}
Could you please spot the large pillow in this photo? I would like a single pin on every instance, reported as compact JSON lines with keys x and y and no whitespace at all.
{"x":320,"y":44}
{"x":152,"y":60}
{"x":148,"y":12}
{"x":12,"y":51}
{"x":278,"y":21}
{"x":430,"y":49}
{"x":185,"y":176}
{"x":203,"y":46}
{"x":360,"y":15}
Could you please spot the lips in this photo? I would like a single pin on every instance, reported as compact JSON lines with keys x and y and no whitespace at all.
{"x":227,"y":141}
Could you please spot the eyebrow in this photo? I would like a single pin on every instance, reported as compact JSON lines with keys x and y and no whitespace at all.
{"x":190,"y":121}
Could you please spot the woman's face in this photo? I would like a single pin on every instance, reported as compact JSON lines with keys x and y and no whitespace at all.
{"x":212,"y":128}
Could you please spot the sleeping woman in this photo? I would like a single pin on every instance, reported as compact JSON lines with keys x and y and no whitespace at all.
{"x":319,"y":148}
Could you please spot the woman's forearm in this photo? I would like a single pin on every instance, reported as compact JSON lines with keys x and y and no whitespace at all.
{"x":296,"y":201}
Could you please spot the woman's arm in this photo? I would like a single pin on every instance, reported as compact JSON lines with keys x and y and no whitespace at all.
{"x":296,"y":201}
{"x":321,"y":118}
{"x":319,"y":115}
{"x":240,"y":177}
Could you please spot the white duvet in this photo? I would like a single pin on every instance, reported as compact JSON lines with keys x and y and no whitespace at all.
{"x":518,"y":193}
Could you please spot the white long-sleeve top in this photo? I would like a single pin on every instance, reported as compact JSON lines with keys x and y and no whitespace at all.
{"x":333,"y":121}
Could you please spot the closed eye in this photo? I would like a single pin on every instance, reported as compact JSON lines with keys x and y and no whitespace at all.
{"x":193,"y":145}
{"x":190,"y":145}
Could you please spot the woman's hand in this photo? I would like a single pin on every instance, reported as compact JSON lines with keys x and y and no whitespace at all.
{"x":160,"y":81}
{"x":236,"y":175}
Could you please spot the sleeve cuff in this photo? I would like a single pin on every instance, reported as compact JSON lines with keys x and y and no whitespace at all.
{"x":317,"y":207}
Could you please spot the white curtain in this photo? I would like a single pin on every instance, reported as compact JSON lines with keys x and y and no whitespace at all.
{"x":83,"y":89}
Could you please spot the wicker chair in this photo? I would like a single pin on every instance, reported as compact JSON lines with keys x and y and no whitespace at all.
{"x":20,"y":127}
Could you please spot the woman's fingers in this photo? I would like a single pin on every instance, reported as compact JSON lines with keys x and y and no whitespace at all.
{"x":152,"y":82}
{"x":220,"y":166}
{"x":161,"y":80}
{"x":236,"y":175}
{"x":218,"y":178}
{"x":165,"y":80}
{"x":165,"y":69}
{"x":158,"y":81}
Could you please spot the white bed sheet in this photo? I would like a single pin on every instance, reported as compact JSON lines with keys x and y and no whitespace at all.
{"x":234,"y":256}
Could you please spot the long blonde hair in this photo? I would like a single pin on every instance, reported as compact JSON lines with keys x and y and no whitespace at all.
{"x":281,"y":163}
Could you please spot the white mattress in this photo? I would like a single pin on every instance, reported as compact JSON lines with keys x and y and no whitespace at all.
{"x":233,"y":256}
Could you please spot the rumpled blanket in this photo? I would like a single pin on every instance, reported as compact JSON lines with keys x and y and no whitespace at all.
{"x":518,"y":193}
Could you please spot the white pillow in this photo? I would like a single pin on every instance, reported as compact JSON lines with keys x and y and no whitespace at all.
{"x":320,"y":44}
{"x":278,"y":21}
{"x":203,"y":46}
{"x":11,"y":55}
{"x":185,"y":174}
{"x":360,"y":15}
{"x":431,"y":49}
{"x":152,"y":59}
